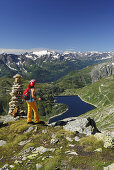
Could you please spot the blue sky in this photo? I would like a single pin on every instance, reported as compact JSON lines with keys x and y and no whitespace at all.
{"x":82,"y":25}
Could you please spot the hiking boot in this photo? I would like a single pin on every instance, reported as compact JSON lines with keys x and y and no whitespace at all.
{"x":30,"y":122}
{"x":41,"y":123}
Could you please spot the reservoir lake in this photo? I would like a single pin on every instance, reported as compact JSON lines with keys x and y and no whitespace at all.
{"x":76,"y":107}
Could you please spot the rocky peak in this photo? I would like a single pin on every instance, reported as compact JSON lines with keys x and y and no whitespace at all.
{"x":102,"y":70}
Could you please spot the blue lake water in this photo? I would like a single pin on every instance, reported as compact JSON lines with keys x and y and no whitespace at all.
{"x":76,"y":107}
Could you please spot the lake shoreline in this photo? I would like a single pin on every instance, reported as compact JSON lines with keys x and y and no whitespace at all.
{"x":62,"y":114}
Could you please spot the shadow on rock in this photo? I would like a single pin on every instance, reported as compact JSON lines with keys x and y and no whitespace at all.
{"x":2,"y":124}
{"x":92,"y":123}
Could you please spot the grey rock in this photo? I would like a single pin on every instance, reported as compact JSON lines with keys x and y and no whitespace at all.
{"x":98,"y":150}
{"x":8,"y":118}
{"x":79,"y":125}
{"x":42,"y":149}
{"x":71,"y":145}
{"x":29,"y":129}
{"x":23,"y":142}
{"x":53,"y":135}
{"x":44,"y":131}
{"x":11,"y":166}
{"x":18,"y":162}
{"x":107,"y":139}
{"x":110,"y":167}
{"x":36,"y":129}
{"x":71,"y":152}
{"x":38,"y":166}
{"x":77,"y":138}
{"x":30,"y":149}
{"x":69,"y":139}
{"x":54,"y":140}
{"x":4,"y":167}
{"x":24,"y":158}
{"x":2,"y":142}
{"x":102,"y":70}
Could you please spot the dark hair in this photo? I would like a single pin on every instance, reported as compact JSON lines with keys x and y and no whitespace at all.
{"x":29,"y":86}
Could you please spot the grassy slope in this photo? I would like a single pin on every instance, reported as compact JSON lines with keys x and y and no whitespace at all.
{"x":101,"y":95}
{"x":76,"y":79}
{"x":59,"y":159}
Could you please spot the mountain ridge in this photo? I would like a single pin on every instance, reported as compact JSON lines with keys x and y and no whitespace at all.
{"x":49,"y":65}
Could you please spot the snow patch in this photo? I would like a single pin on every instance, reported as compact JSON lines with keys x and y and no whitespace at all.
{"x":25,"y":70}
{"x":10,"y":66}
{"x":41,"y":53}
{"x":29,"y":56}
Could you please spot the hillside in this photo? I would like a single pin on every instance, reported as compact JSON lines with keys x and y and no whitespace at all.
{"x":49,"y":147}
{"x":24,"y":146}
{"x":99,"y":94}
{"x":80,"y":78}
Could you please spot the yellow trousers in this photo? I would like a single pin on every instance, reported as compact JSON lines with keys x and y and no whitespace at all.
{"x":32,"y":106}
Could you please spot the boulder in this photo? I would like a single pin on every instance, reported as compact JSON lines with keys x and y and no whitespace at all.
{"x":81,"y":125}
{"x":107,"y":139}
{"x":110,"y":167}
{"x":78,"y":124}
{"x":2,"y":142}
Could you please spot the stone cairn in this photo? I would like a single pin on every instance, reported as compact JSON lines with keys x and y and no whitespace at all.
{"x":16,"y":103}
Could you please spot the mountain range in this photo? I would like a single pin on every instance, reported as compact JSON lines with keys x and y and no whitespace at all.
{"x":47,"y":65}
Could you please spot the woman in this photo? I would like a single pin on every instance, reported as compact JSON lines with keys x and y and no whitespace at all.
{"x":32,"y":104}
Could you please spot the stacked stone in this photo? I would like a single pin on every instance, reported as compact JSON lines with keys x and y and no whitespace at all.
{"x":16,"y":103}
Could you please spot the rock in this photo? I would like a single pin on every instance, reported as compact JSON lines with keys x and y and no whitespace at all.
{"x":41,"y":150}
{"x":44,"y":131}
{"x":23,"y":142}
{"x":1,"y":158}
{"x":18,"y":162}
{"x":2,"y":142}
{"x":102,"y":70}
{"x":110,"y":167}
{"x":5,"y":167}
{"x":108,"y":141}
{"x":71,"y":145}
{"x":36,"y":129}
{"x":53,"y":135}
{"x":24,"y":158}
{"x":77,"y":138}
{"x":79,"y":125}
{"x":30,"y":149}
{"x":46,"y":157}
{"x":8,"y":118}
{"x":71,"y":153}
{"x":16,"y":103}
{"x":33,"y":156}
{"x":98,"y":150}
{"x":54,"y":140}
{"x":69,"y":139}
{"x":29,"y":129}
{"x":11,"y":166}
{"x":38,"y":166}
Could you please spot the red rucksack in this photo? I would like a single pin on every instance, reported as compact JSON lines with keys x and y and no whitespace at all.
{"x":26,"y":94}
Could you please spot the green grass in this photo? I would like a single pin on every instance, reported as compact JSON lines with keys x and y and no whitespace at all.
{"x":14,"y":133}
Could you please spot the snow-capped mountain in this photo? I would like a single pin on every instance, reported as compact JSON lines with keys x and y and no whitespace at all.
{"x":49,"y":65}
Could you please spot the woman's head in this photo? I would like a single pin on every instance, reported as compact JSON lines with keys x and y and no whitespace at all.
{"x":32,"y":83}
